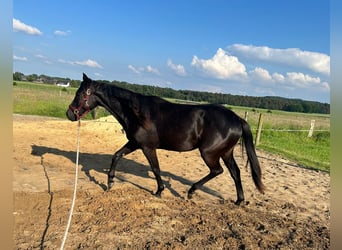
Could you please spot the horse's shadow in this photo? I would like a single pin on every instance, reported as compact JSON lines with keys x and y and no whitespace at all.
{"x":101,"y":163}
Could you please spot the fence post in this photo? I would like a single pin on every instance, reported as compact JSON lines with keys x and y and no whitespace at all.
{"x":246,"y":115}
{"x":311,"y":128}
{"x":258,"y":135}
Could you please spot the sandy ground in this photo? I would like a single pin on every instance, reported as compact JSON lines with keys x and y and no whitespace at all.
{"x":294,"y":212}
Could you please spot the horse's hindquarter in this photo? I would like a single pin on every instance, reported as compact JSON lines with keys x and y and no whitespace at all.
{"x":222,"y":128}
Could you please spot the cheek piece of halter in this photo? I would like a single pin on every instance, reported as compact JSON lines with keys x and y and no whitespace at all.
{"x":84,"y":104}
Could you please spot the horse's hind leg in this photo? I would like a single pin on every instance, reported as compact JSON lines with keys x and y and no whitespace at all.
{"x":126,"y":149}
{"x":234,"y":170}
{"x":213,"y":163}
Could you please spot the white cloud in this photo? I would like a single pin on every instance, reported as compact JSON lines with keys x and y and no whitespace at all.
{"x":150,"y":69}
{"x":314,"y":61}
{"x":325,"y":86}
{"x":61,"y":33}
{"x":62,"y":61}
{"x":139,"y":70}
{"x":178,"y":69}
{"x":89,"y":63}
{"x":278,"y":77}
{"x":221,"y":66}
{"x":133,"y":69}
{"x":302,"y":80}
{"x":40,"y":56}
{"x":260,"y":74}
{"x":19,"y":26}
{"x":19,"y":58}
{"x":292,"y":80}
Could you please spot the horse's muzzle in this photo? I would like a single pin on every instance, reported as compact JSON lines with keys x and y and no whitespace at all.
{"x":71,"y":115}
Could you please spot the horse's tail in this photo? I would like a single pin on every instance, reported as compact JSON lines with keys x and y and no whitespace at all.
{"x":251,"y":155}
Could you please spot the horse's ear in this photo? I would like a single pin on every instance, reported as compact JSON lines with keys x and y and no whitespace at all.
{"x":86,"y":78}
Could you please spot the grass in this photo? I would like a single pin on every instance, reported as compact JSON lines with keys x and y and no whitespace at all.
{"x":311,"y":152}
{"x":314,"y":152}
{"x":45,"y":100}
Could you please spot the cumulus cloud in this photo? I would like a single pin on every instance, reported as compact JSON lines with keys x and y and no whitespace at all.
{"x":178,"y":69}
{"x":314,"y":61}
{"x":19,"y":26}
{"x":19,"y":58}
{"x":302,"y":80}
{"x":278,"y":77}
{"x":260,"y":74}
{"x":61,"y":33}
{"x":291,"y":79}
{"x":89,"y":63}
{"x":221,"y":66}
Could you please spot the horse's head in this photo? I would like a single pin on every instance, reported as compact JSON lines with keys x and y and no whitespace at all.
{"x":84,"y":100}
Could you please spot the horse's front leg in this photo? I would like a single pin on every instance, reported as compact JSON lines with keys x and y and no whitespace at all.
{"x":126,"y":149}
{"x":151,"y":156}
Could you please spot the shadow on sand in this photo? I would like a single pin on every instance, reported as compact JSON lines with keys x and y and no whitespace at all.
{"x":101,"y":163}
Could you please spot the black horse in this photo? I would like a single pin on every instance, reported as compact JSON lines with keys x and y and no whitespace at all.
{"x":151,"y":122}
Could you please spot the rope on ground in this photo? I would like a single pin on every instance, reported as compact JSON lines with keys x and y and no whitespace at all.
{"x":75,"y":187}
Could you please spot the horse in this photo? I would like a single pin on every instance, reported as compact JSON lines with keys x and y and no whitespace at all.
{"x":152,"y":123}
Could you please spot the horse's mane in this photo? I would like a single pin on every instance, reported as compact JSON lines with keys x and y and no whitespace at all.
{"x":140,"y":106}
{"x":125,"y":94}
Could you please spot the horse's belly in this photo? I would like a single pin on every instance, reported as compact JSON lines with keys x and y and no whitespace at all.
{"x":178,"y":143}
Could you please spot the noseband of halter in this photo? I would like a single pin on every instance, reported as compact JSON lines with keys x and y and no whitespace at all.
{"x":83,"y":104}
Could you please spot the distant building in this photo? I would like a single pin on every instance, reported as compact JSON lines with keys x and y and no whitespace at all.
{"x":63,"y":84}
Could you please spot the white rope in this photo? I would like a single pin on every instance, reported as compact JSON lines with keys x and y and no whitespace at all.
{"x":75,"y":187}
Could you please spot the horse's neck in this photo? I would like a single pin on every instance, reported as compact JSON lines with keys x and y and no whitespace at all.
{"x":114,"y":99}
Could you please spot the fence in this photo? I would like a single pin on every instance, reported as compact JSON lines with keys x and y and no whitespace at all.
{"x":294,"y":135}
{"x":259,"y":128}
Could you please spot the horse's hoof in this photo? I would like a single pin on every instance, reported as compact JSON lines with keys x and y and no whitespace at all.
{"x":158,"y":193}
{"x":239,"y":202}
{"x":110,"y":185}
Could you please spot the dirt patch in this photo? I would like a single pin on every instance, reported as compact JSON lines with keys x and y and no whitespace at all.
{"x":293,"y":214}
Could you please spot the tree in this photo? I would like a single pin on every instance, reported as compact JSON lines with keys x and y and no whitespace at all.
{"x":32,"y":77}
{"x":18,"y":76}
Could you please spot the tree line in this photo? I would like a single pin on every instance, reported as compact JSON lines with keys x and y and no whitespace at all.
{"x":267,"y":102}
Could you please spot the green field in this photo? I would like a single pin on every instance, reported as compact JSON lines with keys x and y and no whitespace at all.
{"x":314,"y":152}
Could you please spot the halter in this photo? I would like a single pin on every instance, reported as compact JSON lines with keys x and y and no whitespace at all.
{"x":83,"y":104}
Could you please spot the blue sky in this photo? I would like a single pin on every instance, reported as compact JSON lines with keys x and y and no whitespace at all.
{"x":257,"y":48}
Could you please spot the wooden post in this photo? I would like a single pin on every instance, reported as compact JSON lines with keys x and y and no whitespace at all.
{"x":246,"y":115}
{"x":93,"y":113}
{"x":258,"y":135}
{"x":311,"y":128}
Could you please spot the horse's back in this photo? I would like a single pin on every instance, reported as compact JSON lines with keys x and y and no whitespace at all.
{"x":186,"y":127}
